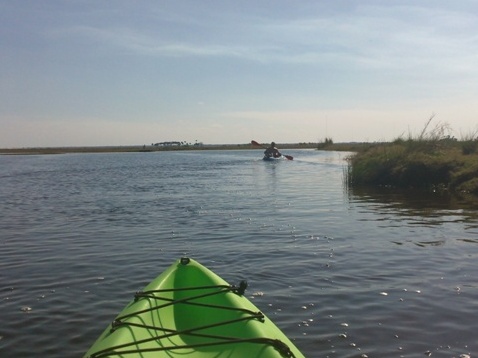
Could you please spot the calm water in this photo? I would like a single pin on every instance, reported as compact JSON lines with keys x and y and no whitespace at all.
{"x":343,"y":273}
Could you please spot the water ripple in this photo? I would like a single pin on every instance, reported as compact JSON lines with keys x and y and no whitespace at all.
{"x":343,"y":274}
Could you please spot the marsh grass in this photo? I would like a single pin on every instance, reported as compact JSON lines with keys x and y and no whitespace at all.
{"x":433,"y":159}
{"x":326,"y":143}
{"x":469,"y":143}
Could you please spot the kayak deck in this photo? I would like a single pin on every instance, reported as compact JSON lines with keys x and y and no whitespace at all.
{"x":190,"y":311}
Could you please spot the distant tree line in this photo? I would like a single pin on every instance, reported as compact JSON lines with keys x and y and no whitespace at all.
{"x":175,"y":143}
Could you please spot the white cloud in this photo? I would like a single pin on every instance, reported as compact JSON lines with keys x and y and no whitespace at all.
{"x":372,"y":37}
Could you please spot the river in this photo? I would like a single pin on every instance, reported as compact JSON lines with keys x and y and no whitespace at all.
{"x":344,"y":273}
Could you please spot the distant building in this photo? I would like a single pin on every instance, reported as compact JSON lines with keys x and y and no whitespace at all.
{"x":169,"y":144}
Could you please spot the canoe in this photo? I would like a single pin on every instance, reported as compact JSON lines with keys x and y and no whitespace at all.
{"x":189,"y":311}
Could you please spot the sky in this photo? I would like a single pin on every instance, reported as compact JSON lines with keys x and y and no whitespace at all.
{"x":94,"y":73}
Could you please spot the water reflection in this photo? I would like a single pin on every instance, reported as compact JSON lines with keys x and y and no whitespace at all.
{"x":416,"y":207}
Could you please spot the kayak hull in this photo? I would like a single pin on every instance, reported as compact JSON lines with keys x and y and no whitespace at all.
{"x":273,"y":159}
{"x":190,"y":311}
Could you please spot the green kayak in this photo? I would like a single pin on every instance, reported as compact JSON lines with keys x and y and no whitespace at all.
{"x":189,"y":311}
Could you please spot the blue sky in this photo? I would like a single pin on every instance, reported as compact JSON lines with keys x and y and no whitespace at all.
{"x":136,"y":72}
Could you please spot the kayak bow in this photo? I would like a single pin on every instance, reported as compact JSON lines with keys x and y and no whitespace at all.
{"x":190,"y":311}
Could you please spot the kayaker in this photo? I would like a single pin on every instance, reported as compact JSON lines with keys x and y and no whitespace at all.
{"x":272,"y":151}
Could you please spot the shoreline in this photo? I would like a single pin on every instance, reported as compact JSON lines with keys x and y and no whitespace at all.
{"x":141,"y":148}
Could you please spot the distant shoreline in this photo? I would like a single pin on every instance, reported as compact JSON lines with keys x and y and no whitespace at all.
{"x":141,"y":148}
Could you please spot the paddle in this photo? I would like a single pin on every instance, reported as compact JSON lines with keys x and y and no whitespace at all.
{"x":253,"y":142}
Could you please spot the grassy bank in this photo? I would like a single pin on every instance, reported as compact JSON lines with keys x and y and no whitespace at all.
{"x":432,"y":163}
